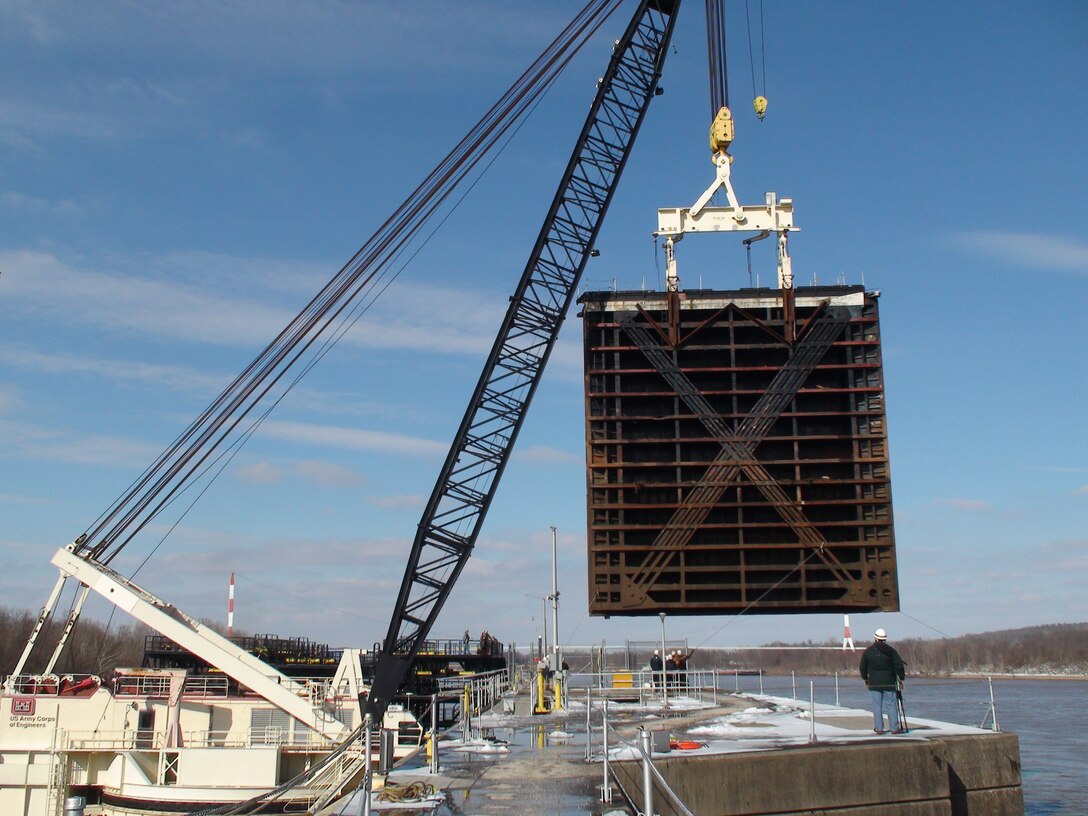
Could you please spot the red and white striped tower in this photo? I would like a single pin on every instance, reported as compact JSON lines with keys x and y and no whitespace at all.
{"x":847,"y":641}
{"x":230,"y":607}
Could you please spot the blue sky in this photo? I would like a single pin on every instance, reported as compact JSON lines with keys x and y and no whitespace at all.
{"x":176,"y":180}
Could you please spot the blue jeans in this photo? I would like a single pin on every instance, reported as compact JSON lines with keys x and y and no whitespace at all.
{"x":885,"y":701}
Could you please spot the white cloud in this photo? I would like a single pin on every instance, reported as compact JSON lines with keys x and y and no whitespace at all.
{"x":353,"y":438}
{"x":17,"y":201}
{"x":544,"y":455}
{"x":413,"y":316}
{"x":1081,"y":491}
{"x":9,"y":398}
{"x":31,"y":442}
{"x":1066,"y":545}
{"x":177,"y":378}
{"x":970,"y":505}
{"x":259,"y":473}
{"x":116,"y":302}
{"x":11,"y":498}
{"x":1032,"y":250}
{"x":407,"y":501}
{"x":327,"y":474}
{"x":173,"y":66}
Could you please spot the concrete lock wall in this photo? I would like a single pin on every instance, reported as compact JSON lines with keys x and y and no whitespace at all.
{"x":954,"y":776}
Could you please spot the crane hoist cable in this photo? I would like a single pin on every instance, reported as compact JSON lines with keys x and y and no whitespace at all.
{"x":202,"y":445}
{"x":759,"y":98}
{"x":721,"y":124}
{"x":716,"y":62}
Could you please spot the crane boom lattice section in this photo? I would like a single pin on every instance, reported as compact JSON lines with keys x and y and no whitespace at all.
{"x":451,"y":522}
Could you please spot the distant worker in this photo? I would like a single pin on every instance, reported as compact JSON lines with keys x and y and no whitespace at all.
{"x":670,"y":669}
{"x":883,"y":671}
{"x":656,"y":668}
{"x":468,"y":641}
{"x":681,"y":661}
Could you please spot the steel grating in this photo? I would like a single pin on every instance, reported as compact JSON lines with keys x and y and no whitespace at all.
{"x":731,"y":470}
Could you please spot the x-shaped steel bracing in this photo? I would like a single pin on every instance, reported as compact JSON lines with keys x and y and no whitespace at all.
{"x":737,"y":454}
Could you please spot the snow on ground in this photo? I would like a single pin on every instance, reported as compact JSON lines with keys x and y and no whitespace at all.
{"x":777,"y":721}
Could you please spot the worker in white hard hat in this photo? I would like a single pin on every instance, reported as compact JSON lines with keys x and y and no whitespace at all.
{"x":883,"y":671}
{"x":656,"y":667}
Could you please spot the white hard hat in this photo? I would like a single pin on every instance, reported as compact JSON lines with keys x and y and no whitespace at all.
{"x":880,"y":634}
{"x":656,"y":652}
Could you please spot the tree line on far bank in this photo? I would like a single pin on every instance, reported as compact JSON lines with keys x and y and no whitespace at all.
{"x":1060,"y":649}
{"x":93,"y":647}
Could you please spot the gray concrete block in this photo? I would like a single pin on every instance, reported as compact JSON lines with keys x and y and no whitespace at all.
{"x":965,"y":776}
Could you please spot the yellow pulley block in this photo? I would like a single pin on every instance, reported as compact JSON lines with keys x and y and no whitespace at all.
{"x":760,"y":104}
{"x":721,"y":131}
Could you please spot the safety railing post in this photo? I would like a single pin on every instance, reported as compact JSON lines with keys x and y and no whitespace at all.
{"x":589,"y":726}
{"x":812,"y":711}
{"x":647,"y":775}
{"x":367,"y":778}
{"x":434,"y":733}
{"x":993,"y":706}
{"x":466,"y":713}
{"x":836,"y":688}
{"x":606,"y":786}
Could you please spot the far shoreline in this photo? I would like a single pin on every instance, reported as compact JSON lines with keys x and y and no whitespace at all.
{"x":957,"y":676}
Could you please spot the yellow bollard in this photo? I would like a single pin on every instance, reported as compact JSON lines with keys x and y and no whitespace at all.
{"x":558,"y":691}
{"x":541,"y":700}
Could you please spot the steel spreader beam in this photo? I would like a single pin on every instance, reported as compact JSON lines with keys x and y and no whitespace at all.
{"x":455,"y":512}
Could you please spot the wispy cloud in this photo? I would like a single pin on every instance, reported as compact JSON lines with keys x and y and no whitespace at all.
{"x":172,"y":67}
{"x":353,"y":438}
{"x":9,"y":398}
{"x":115,"y":302}
{"x":173,"y":377}
{"x":259,"y":473}
{"x":327,"y":474}
{"x":12,"y":498}
{"x":13,"y":200}
{"x":237,"y":309}
{"x":544,"y":455}
{"x":32,"y":442}
{"x":970,"y":505}
{"x":1031,"y":250}
{"x":1066,"y":545}
{"x":1081,"y":491}
{"x":407,"y":501}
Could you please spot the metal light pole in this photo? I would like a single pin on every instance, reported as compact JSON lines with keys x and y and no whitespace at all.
{"x":543,"y":622}
{"x":664,"y":673}
{"x":558,"y":665}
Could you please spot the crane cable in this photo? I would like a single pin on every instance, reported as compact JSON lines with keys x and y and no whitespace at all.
{"x":715,"y":48}
{"x":203,"y":444}
{"x":759,"y":99}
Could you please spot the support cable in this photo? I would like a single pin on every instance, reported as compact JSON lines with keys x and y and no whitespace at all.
{"x":352,"y":289}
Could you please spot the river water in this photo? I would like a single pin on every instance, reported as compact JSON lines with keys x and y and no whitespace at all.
{"x":1050,"y":718}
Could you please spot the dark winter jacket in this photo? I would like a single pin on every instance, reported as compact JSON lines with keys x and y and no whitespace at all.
{"x":881,"y":667}
{"x":655,"y":663}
